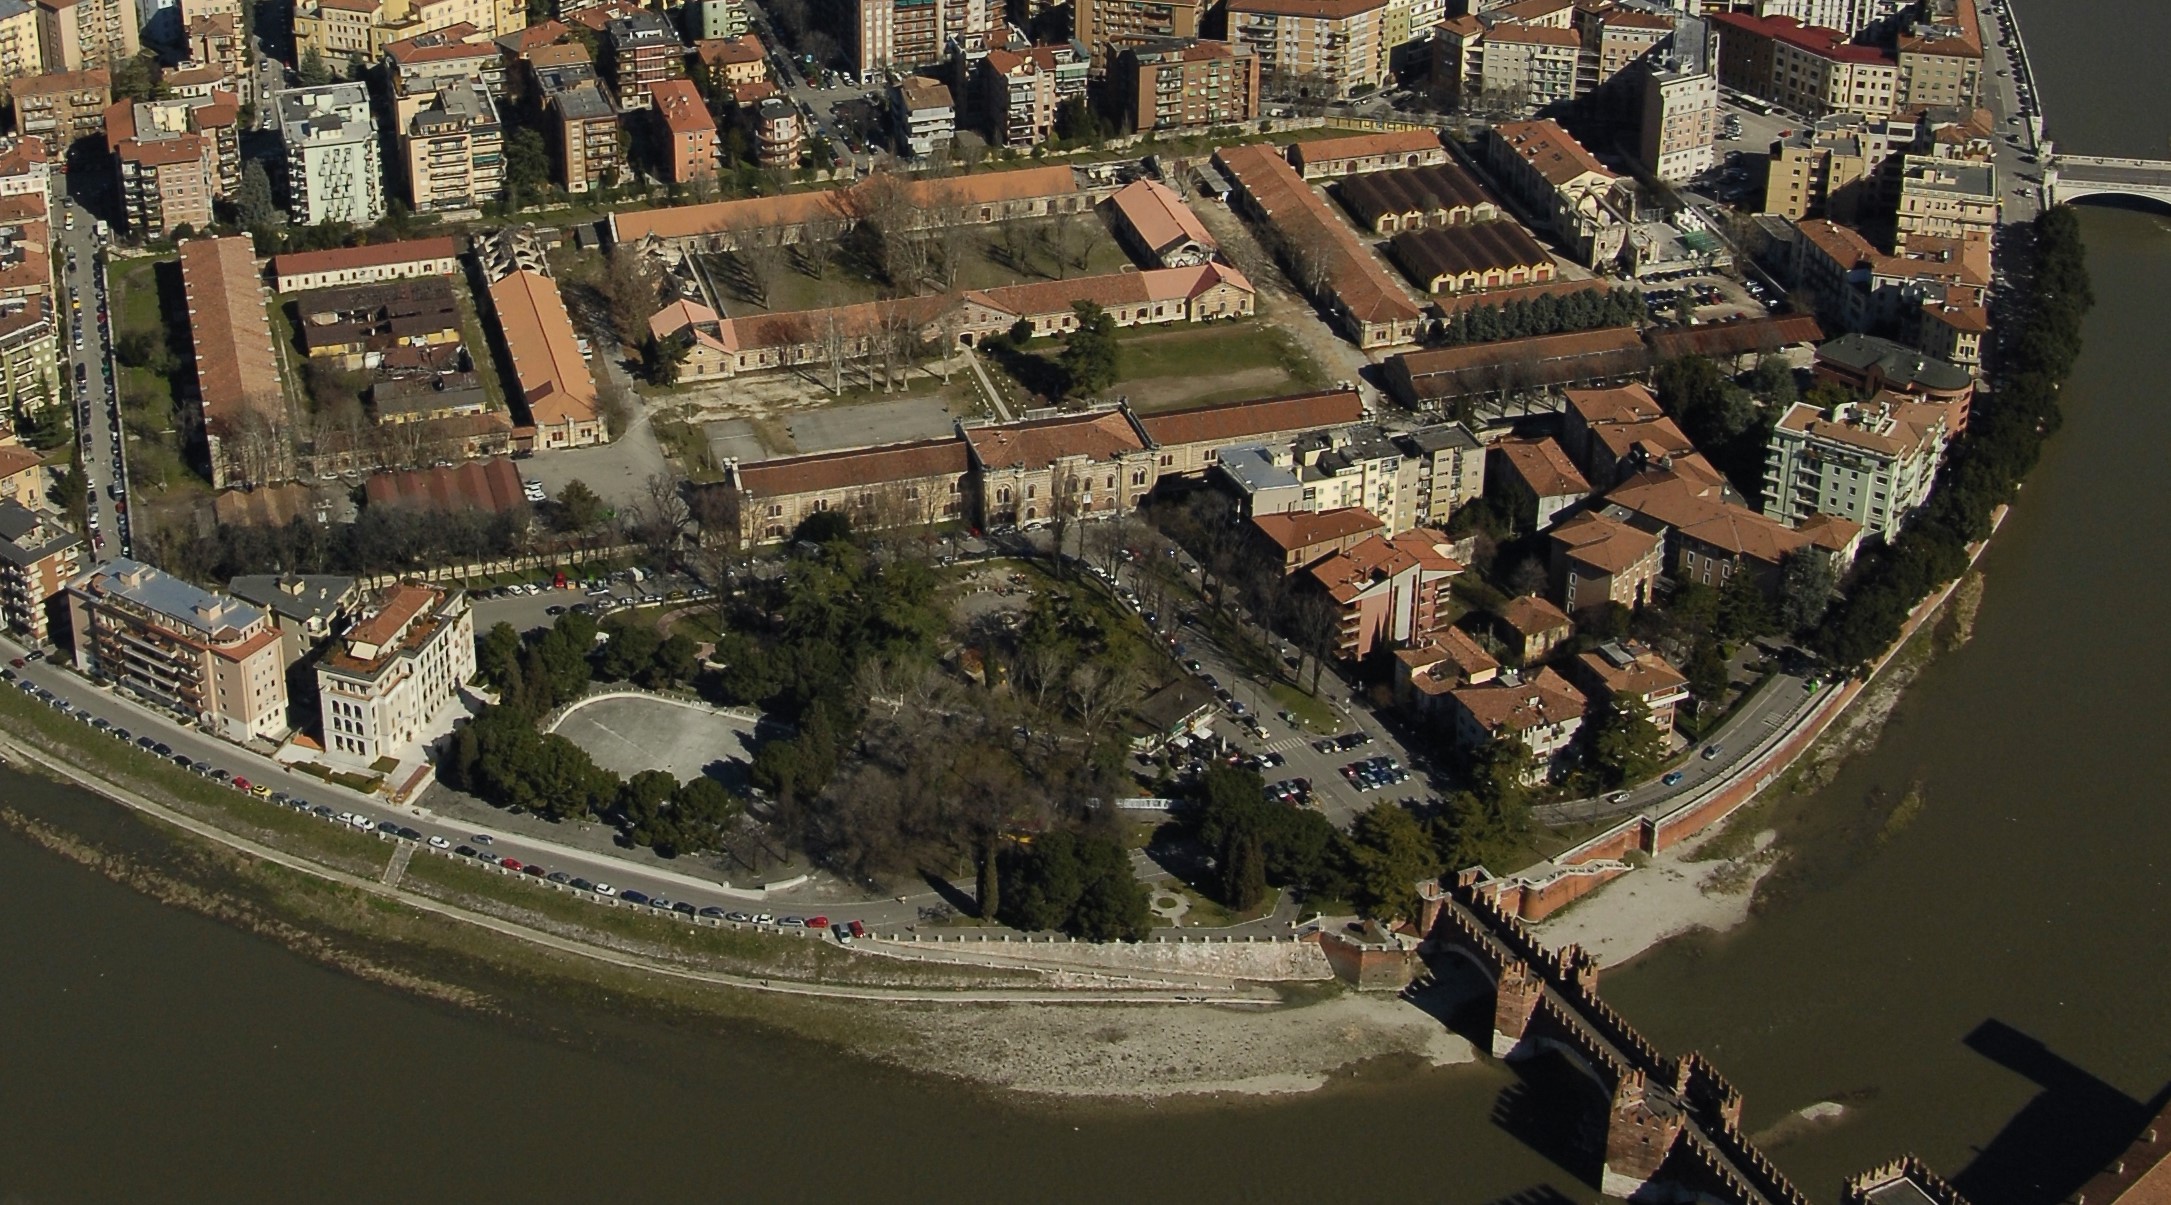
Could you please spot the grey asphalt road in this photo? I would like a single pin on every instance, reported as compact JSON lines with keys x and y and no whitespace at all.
{"x":82,"y":295}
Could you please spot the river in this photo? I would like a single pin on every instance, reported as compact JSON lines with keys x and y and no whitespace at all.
{"x":1968,"y":982}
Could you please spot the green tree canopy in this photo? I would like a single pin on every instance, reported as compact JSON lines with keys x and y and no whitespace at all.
{"x":1089,"y":352}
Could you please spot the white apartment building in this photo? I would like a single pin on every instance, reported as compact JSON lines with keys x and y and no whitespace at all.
{"x":393,"y":674}
{"x":1871,"y":462}
{"x":334,"y":170}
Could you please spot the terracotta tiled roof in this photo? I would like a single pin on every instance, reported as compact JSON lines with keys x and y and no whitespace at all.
{"x":1365,"y":146}
{"x":1234,"y":422}
{"x":1646,"y":674}
{"x":554,"y":379}
{"x":1357,"y":280}
{"x":345,"y":259}
{"x":829,"y":471}
{"x":1036,"y":445}
{"x":680,"y":105}
{"x":15,"y":459}
{"x":1624,"y":404}
{"x":1544,"y":467}
{"x":1550,"y":150}
{"x":1817,"y":40}
{"x":1109,"y":289}
{"x":1292,"y":530}
{"x":1605,"y":543}
{"x":401,"y":605}
{"x":487,"y":485}
{"x":1500,"y":707}
{"x":235,"y":372}
{"x":1159,"y":216}
{"x":1531,"y":615}
{"x":1374,"y":562}
{"x":1736,"y":338}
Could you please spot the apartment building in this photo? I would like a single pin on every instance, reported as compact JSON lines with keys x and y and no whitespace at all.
{"x":21,"y":54}
{"x":1627,"y":669}
{"x":1678,"y":134}
{"x":39,"y":556}
{"x":1390,"y":590}
{"x":780,"y":134}
{"x":80,"y":35}
{"x":333,"y":169}
{"x":1837,"y":169}
{"x":394,"y":673}
{"x":1543,"y":711}
{"x":1947,"y":198}
{"x":644,"y":51}
{"x":209,"y":656}
{"x":217,"y":42}
{"x":1183,"y":84}
{"x":1020,"y":91}
{"x":714,"y":19}
{"x":1871,"y":462}
{"x":166,"y":182}
{"x":453,"y":151}
{"x":1109,"y":27}
{"x":29,"y":356}
{"x":1449,"y":472}
{"x":339,"y":31}
{"x":925,"y":114}
{"x":1597,"y":559}
{"x":1316,"y":48}
{"x":900,"y":34}
{"x":1941,"y":60}
{"x":1809,"y":70}
{"x":62,"y":106}
{"x":730,"y":62}
{"x":685,"y":130}
{"x":417,"y":67}
{"x":1860,"y":288}
{"x":581,"y":117}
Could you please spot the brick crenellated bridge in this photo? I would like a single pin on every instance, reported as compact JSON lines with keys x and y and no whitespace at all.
{"x":1670,"y":1122}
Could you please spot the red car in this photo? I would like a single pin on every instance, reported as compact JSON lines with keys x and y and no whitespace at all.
{"x":819,"y":922}
{"x":240,"y":783}
{"x":858,"y":930}
{"x":534,"y":869}
{"x":511,"y":863}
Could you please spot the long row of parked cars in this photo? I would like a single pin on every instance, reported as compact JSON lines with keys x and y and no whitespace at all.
{"x":476,"y":849}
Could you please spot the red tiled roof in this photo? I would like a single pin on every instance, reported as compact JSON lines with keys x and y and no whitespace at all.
{"x":486,"y":485}
{"x":1292,"y":530}
{"x":1605,"y":543}
{"x":1036,"y":445}
{"x":343,"y":259}
{"x":1544,"y":467}
{"x":859,"y":467}
{"x":228,"y":328}
{"x":1234,"y":422}
{"x":1361,"y":146}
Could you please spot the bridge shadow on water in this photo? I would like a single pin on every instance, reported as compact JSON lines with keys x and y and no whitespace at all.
{"x":1553,"y":1107}
{"x":2074,"y":1127}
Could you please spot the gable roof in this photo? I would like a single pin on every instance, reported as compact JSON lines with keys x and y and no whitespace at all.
{"x":1036,"y":445}
{"x":1544,"y":467}
{"x":828,"y":471}
{"x":1292,"y":530}
{"x":1234,"y":422}
{"x":1160,"y":217}
{"x":1605,"y":543}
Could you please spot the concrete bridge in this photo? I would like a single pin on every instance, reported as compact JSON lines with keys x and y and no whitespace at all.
{"x":2071,"y":177}
{"x":1672,"y":1125}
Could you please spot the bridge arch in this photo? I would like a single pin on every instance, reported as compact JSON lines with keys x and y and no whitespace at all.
{"x":2111,"y":196}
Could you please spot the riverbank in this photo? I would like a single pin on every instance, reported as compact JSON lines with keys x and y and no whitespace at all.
{"x":1061,"y":1035}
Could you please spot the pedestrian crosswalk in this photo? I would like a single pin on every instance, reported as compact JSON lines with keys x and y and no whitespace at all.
{"x":1284,"y":745}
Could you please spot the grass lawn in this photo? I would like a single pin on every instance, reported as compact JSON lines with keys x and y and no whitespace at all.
{"x":1316,"y":715}
{"x":1171,"y":368}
